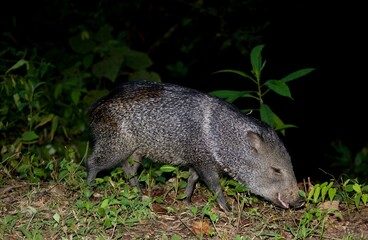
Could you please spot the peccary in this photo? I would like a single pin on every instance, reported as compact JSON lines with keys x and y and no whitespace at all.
{"x":184,"y":127}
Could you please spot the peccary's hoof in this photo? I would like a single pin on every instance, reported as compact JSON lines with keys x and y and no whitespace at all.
{"x":226,"y":207}
{"x":187,"y":200}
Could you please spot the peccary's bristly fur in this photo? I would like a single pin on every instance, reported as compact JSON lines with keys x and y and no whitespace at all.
{"x":184,"y":127}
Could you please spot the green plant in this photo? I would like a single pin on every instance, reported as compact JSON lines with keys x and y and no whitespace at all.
{"x":70,"y":169}
{"x":352,"y":164}
{"x":278,"y":86}
{"x":319,"y":192}
{"x":179,"y":176}
{"x":99,"y":56}
{"x":353,"y":192}
{"x":311,"y":222}
{"x":45,"y":104}
{"x":25,"y":121}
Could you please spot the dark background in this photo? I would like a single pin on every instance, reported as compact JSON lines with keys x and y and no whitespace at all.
{"x":329,"y":104}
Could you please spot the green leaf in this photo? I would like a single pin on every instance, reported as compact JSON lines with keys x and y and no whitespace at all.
{"x":88,"y":205}
{"x":80,"y":204}
{"x":316,"y":194}
{"x":107,"y":223}
{"x":101,"y":212}
{"x":331,"y":193}
{"x":231,"y":95}
{"x":365,"y":188}
{"x":323,"y":193}
{"x":75,"y":96}
{"x":285,"y":126}
{"x":18,"y":102}
{"x":109,"y":67}
{"x":105,"y":203}
{"x":178,"y":69}
{"x":357,"y":188}
{"x":256,"y":60}
{"x":357,"y":200}
{"x":39,"y":172}
{"x":267,"y":115}
{"x":167,"y":168}
{"x":349,"y":188}
{"x":56,"y":217}
{"x":302,"y":194}
{"x":224,"y":93}
{"x":54,"y":125}
{"x":247,"y":111}
{"x":279,"y":87}
{"x":297,"y":74}
{"x":243,"y":74}
{"x":29,"y":136}
{"x":365,"y":198}
{"x":270,"y":117}
{"x":181,"y":196}
{"x":81,"y":45}
{"x":104,"y":33}
{"x":17,"y":65}
{"x":25,"y":232}
{"x":144,"y":74}
{"x":87,"y":60}
{"x":23,"y":168}
{"x":45,"y":119}
{"x":311,"y":193}
{"x":138,"y":60}
{"x":58,"y":90}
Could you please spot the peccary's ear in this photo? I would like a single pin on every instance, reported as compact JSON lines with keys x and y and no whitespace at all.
{"x":255,"y":140}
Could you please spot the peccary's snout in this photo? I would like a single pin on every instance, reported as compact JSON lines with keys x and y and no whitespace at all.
{"x":298,"y":204}
{"x":288,"y":199}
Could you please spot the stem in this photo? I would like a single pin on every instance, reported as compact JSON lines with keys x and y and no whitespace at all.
{"x":31,"y":108}
{"x":259,"y":91}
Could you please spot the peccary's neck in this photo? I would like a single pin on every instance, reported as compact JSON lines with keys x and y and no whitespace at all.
{"x":226,"y":132}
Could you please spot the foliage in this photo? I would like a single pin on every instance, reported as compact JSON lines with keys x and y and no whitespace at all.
{"x":349,"y":191}
{"x":353,"y":192}
{"x":352,"y":164}
{"x":278,"y":86}
{"x":317,"y":213}
{"x":45,"y":104}
{"x":98,"y":55}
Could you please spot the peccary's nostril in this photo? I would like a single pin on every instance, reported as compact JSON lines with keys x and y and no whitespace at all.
{"x":299,"y":203}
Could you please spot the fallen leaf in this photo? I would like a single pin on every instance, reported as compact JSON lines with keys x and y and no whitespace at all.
{"x":157,"y":208}
{"x":200,"y":227}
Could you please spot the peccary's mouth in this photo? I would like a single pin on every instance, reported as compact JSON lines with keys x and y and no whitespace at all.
{"x":284,"y":204}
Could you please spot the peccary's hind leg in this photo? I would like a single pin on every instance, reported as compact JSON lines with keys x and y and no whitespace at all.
{"x":192,"y":180}
{"x":104,"y":157}
{"x":130,"y":167}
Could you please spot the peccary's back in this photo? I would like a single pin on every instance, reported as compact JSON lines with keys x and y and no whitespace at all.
{"x":167,"y":122}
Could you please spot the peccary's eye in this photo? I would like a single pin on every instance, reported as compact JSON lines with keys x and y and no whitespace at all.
{"x":276,"y":170}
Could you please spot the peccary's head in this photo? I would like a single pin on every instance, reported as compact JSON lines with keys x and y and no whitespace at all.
{"x":268,"y":170}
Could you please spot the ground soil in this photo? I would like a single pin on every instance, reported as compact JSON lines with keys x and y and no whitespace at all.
{"x":256,"y":220}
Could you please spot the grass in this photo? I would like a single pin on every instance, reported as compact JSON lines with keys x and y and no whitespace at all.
{"x":69,"y":209}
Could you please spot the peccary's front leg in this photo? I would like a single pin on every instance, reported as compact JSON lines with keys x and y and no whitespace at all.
{"x":103,"y":157}
{"x":130,"y":167}
{"x":212,"y":180}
